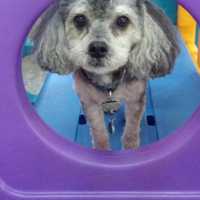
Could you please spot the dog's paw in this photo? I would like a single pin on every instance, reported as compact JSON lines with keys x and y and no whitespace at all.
{"x":131,"y":141}
{"x":101,"y":143}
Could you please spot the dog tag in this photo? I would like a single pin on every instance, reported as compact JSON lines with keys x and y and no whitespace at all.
{"x":111,"y":126}
{"x":111,"y":106}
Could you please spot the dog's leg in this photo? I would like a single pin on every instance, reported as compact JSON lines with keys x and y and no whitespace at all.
{"x":135,"y":99}
{"x":134,"y":113}
{"x":95,"y":117}
{"x":91,"y":100}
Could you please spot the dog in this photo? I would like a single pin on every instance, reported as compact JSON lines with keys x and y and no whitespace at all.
{"x":113,"y":47}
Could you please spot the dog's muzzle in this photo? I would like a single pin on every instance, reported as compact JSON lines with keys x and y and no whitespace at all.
{"x":98,"y":49}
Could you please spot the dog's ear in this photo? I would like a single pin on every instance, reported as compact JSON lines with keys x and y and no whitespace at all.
{"x":156,"y":53}
{"x":50,"y":50}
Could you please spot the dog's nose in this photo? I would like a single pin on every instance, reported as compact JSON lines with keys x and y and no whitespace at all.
{"x":98,"y":49}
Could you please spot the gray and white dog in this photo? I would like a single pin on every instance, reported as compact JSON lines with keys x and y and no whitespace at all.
{"x":113,"y":47}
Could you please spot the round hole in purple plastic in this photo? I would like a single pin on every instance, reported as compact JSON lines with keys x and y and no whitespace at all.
{"x":151,"y":153}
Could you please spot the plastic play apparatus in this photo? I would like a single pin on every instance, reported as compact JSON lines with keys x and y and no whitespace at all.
{"x":169,"y":102}
{"x":35,"y":163}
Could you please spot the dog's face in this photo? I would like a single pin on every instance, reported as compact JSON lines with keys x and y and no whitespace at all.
{"x":102,"y":36}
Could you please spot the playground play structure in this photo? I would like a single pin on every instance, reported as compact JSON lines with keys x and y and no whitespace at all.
{"x":36,"y":163}
{"x":169,"y":104}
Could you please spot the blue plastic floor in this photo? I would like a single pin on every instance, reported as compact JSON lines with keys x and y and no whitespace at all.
{"x":171,"y":100}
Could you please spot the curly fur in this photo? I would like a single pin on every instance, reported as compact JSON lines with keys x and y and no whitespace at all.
{"x":155,"y":55}
{"x":146,"y":49}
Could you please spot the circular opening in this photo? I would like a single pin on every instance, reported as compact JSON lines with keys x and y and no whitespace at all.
{"x":54,"y":98}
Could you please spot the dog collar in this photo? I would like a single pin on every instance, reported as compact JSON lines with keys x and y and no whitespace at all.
{"x":110,"y":88}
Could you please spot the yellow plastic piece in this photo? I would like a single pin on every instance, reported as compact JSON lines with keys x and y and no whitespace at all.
{"x":199,"y":54}
{"x":187,"y":27}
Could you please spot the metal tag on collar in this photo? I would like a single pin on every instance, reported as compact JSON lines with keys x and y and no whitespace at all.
{"x":110,"y":93}
{"x":111,"y":105}
{"x":111,"y":125}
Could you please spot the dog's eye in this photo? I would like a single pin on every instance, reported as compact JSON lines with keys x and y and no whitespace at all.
{"x":122,"y":21}
{"x":80,"y":21}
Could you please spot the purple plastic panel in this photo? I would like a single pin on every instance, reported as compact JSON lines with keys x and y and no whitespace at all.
{"x":36,"y":163}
